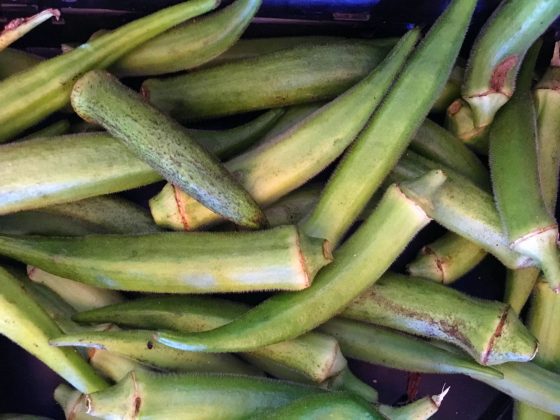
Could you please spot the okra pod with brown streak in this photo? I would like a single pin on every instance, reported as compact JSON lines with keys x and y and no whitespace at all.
{"x":273,"y":169}
{"x":19,"y":27}
{"x":164,"y":145}
{"x":460,"y":121}
{"x":489,"y":331}
{"x":30,"y":96}
{"x":276,"y":259}
{"x":13,"y":61}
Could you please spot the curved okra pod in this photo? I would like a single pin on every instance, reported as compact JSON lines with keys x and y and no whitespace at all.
{"x":519,"y":285}
{"x":23,"y":321}
{"x":460,"y":121}
{"x":191,"y":44}
{"x":298,"y":75}
{"x":274,"y":168}
{"x":358,"y":264}
{"x":17,"y":28}
{"x":165,"y":145}
{"x":498,"y":52}
{"x":314,"y":356}
{"x":276,"y":259}
{"x":390,"y":348}
{"x":387,"y":135}
{"x":200,"y":396}
{"x":530,"y":227}
{"x":447,"y":259}
{"x":421,"y":409}
{"x":29,"y":96}
{"x":13,"y":61}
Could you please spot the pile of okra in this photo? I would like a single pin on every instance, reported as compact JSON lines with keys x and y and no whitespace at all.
{"x":348,"y":149}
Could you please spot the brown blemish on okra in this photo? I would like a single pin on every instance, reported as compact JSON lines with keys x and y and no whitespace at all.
{"x":437,"y":261}
{"x":180,"y":206}
{"x":497,"y":334}
{"x":500,"y":74}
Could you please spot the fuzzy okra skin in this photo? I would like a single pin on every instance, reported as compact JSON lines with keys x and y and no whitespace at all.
{"x":13,"y":61}
{"x":165,"y":145}
{"x":193,"y":396}
{"x":23,"y":321}
{"x":459,"y":120}
{"x":301,"y":74}
{"x":313,"y":356}
{"x":387,"y":135}
{"x":358,"y":264}
{"x":489,"y":331}
{"x":18,"y":28}
{"x":189,"y":45}
{"x":30,"y":96}
{"x":498,"y":52}
{"x":276,"y":259}
{"x":275,"y":168}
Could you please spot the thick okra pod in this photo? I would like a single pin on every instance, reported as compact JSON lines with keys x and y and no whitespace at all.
{"x":489,"y":331}
{"x":379,"y":146}
{"x":13,"y":61}
{"x":274,"y":168}
{"x":191,"y":44}
{"x":297,"y":75}
{"x":17,"y":28}
{"x":358,"y":264}
{"x":31,"y":95}
{"x":23,"y":321}
{"x":531,"y":229}
{"x":280,"y":258}
{"x":498,"y":52}
{"x":165,"y":145}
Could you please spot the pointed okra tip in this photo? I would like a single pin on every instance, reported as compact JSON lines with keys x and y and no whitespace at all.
{"x":421,"y":190}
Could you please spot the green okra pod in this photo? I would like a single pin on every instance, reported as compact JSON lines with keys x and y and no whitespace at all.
{"x":13,"y":61}
{"x":280,"y":258}
{"x":390,"y":348}
{"x":498,"y":51}
{"x":293,"y":207}
{"x":291,"y":117}
{"x":57,"y":128}
{"x":387,"y":135}
{"x":530,"y":228}
{"x":165,"y":145}
{"x":347,"y":381}
{"x":275,"y":168}
{"x":30,"y":96}
{"x":19,"y":27}
{"x":424,"y":408}
{"x":306,"y":73}
{"x":311,"y":357}
{"x":189,"y":45}
{"x":451,"y":91}
{"x":459,"y":120}
{"x":112,"y":365}
{"x":519,"y":285}
{"x":194,"y":396}
{"x":489,"y":331}
{"x":71,"y":401}
{"x":358,"y":264}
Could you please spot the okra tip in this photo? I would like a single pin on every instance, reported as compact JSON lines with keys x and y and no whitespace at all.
{"x":420,"y":190}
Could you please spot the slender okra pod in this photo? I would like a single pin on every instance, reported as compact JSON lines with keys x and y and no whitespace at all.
{"x":23,"y":321}
{"x":519,"y":285}
{"x":305,"y":73}
{"x":390,"y":348}
{"x":312,"y":357}
{"x":194,"y":396}
{"x":112,"y":365}
{"x":358,"y":264}
{"x":165,"y":145}
{"x":293,"y":207}
{"x":459,"y":120}
{"x":421,"y":409}
{"x":55,"y":129}
{"x":29,"y":96}
{"x":489,"y":331}
{"x":191,"y":44}
{"x":13,"y":61}
{"x":498,"y":52}
{"x":530,"y":227}
{"x":291,"y":117}
{"x":273,"y":169}
{"x":17,"y":28}
{"x":451,"y":91}
{"x":280,"y":258}
{"x":447,"y":259}
{"x":387,"y":135}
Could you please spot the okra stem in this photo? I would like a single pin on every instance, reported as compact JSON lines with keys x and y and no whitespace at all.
{"x":17,"y":28}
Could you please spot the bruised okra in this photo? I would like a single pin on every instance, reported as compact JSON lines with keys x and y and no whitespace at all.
{"x":17,"y":28}
{"x":357,"y":265}
{"x":30,"y":96}
{"x":274,"y":168}
{"x":530,"y":228}
{"x":276,"y":259}
{"x":498,"y":52}
{"x":489,"y":331}
{"x":189,"y":45}
{"x":165,"y":145}
{"x":389,"y":132}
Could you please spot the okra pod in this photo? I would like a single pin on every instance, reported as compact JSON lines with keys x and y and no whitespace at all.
{"x":421,"y":409}
{"x":347,"y":381}
{"x":30,"y":96}
{"x":530,"y":228}
{"x":291,"y":117}
{"x":489,"y":331}
{"x":498,"y":52}
{"x":358,"y":264}
{"x":460,"y":121}
{"x":112,"y":365}
{"x":13,"y":61}
{"x":301,"y":74}
{"x":519,"y":285}
{"x":312,"y":357}
{"x":293,"y":207}
{"x":280,"y":258}
{"x":55,"y":129}
{"x":451,"y":91}
{"x":189,"y":45}
{"x":19,"y":27}
{"x":274,"y":168}
{"x":165,"y":145}
{"x":387,"y":135}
